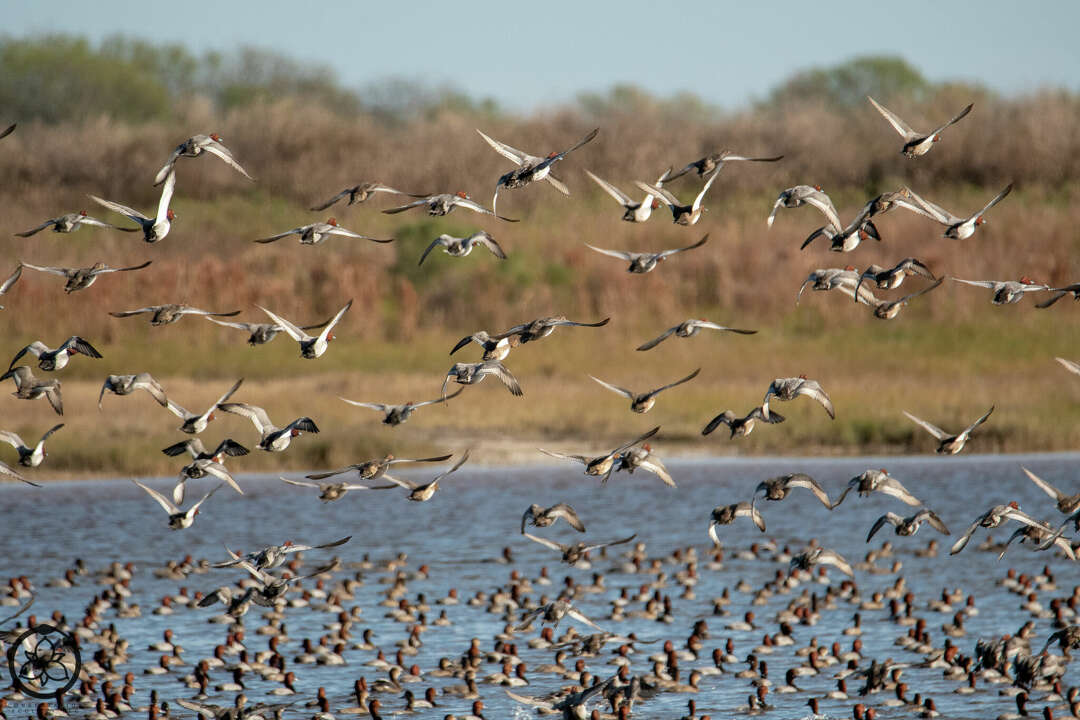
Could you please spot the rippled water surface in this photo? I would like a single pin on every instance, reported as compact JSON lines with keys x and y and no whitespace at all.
{"x":461,"y":533}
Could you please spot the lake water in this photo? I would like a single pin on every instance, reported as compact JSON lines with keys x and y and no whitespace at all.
{"x":462,"y":531}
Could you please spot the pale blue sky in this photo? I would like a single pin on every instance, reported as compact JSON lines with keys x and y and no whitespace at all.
{"x":526,"y":54}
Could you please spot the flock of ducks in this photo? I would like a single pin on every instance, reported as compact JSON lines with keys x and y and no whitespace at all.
{"x":622,"y":689}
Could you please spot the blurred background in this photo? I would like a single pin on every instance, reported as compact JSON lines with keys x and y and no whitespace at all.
{"x":343,"y":93}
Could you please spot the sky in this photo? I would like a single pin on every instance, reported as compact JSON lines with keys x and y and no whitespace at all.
{"x":527,"y":55}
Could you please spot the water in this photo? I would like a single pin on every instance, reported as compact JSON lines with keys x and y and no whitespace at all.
{"x":477,"y":513}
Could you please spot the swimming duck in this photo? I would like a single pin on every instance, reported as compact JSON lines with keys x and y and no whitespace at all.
{"x":178,"y":519}
{"x":424,"y":492}
{"x":315,"y":233}
{"x":157,"y":227}
{"x":444,"y":203}
{"x":472,"y":373}
{"x":906,"y":526}
{"x":641,"y":263}
{"x":689,"y":328}
{"x":602,"y":465}
{"x":195,"y":146}
{"x":714,"y":163}
{"x":726,"y":514}
{"x":310,"y":347}
{"x":741,"y":427}
{"x":460,"y":247}
{"x":632,"y":211}
{"x":27,"y":387}
{"x":530,"y":167}
{"x":397,"y":414}
{"x":127,"y":384}
{"x":70,"y":223}
{"x":194,"y":424}
{"x":49,"y":360}
{"x":545,"y":517}
{"x":360,"y":193}
{"x":29,"y":456}
{"x":878,"y":481}
{"x":165,"y":314}
{"x":272,"y":438}
{"x":643,"y":402}
{"x":955,"y":227}
{"x":949,"y":444}
{"x":915,"y":142}
{"x":81,"y":278}
{"x":572,"y":554}
{"x":791,"y":388}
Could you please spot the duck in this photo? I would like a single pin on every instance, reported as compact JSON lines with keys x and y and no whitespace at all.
{"x":689,"y":328}
{"x":874,"y":480}
{"x":82,"y":278}
{"x":714,"y":163}
{"x":726,"y":514}
{"x":892,"y":278}
{"x":1007,"y":292}
{"x":741,"y":426}
{"x":443,"y":203}
{"x":992,"y":518}
{"x":907,"y":526}
{"x":641,"y":263}
{"x":329,"y":492}
{"x":792,"y":387}
{"x":274,"y":556}
{"x":316,"y":233}
{"x":572,"y":554}
{"x":27,"y":387}
{"x":70,"y":223}
{"x":156,"y":228}
{"x":272,"y":438}
{"x":460,"y":247}
{"x":800,"y":195}
{"x":819,"y":555}
{"x":949,"y":444}
{"x":29,"y":456}
{"x":529,"y":167}
{"x":472,"y":373}
{"x":394,"y":415}
{"x":127,"y":384}
{"x":195,"y":146}
{"x":680,"y":214}
{"x":636,"y":212}
{"x":888,"y":309}
{"x":194,"y":424}
{"x":554,"y":612}
{"x":1067,"y":504}
{"x":423,"y":492}
{"x":262,"y":333}
{"x":166,"y":314}
{"x":916,"y":144}
{"x":778,"y":488}
{"x":845,"y":279}
{"x":541,"y":517}
{"x":310,"y":347}
{"x":537,"y":329}
{"x":643,"y":402}
{"x":602,"y":465}
{"x":178,"y":519}
{"x":644,"y":458}
{"x":50,"y":360}
{"x":360,"y":193}
{"x":957,"y":228}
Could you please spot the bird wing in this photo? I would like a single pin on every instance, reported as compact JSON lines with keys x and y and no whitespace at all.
{"x":811,"y":388}
{"x":656,"y":467}
{"x":301,"y":548}
{"x":889,"y":517}
{"x":514,"y":155}
{"x":597,"y":546}
{"x":287,"y":233}
{"x":635,"y":441}
{"x":929,"y":209}
{"x":963,"y":540}
{"x":958,"y":118}
{"x":163,"y":501}
{"x":661,"y":194}
{"x":220,"y":472}
{"x":535,"y":702}
{"x":620,"y":197}
{"x":330,"y":326}
{"x":192,"y":447}
{"x":246,"y":327}
{"x":688,"y":378}
{"x":407,"y":206}
{"x":294,"y":332}
{"x":146,"y":382}
{"x":458,"y":464}
{"x":122,"y":209}
{"x":978,"y":422}
{"x":891,"y":486}
{"x":614,"y":388}
{"x":705,"y":189}
{"x":613,"y":253}
{"x":899,"y":125}
{"x":935,"y":522}
{"x":546,"y":543}
{"x":997,"y":198}
{"x":53,"y":395}
{"x":12,"y":279}
{"x":166,"y":196}
{"x":567,"y":513}
{"x":563,"y":456}
{"x":698,"y":244}
{"x":928,"y":427}
{"x":435,"y":402}
{"x":12,"y":439}
{"x":830,"y":557}
{"x":657,"y":340}
{"x":580,"y":617}
{"x":53,"y":270}
{"x":205,"y":497}
{"x":805,"y":481}
{"x":556,"y":182}
{"x":6,"y":471}
{"x":256,"y":414}
{"x":991,"y":284}
{"x":332,"y":200}
{"x":774,"y":417}
{"x":434,"y":243}
{"x":507,"y":378}
{"x":123,"y":269}
{"x":1069,"y":365}
{"x":373,"y":406}
{"x":216,"y":148}
{"x":36,"y":230}
{"x":1046,"y":487}
{"x":717,"y":326}
{"x":301,"y":483}
{"x":482,"y":238}
{"x":35,"y":348}
{"x":723,"y":418}
{"x":825,"y":204}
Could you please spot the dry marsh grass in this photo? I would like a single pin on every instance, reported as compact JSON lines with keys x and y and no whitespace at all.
{"x":947,"y":357}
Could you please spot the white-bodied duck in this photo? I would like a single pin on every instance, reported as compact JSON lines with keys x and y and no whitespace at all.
{"x":29,"y":456}
{"x":460,"y":247}
{"x":949,"y":444}
{"x":49,"y":360}
{"x":271,"y":437}
{"x":310,"y":347}
{"x":915,"y":142}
